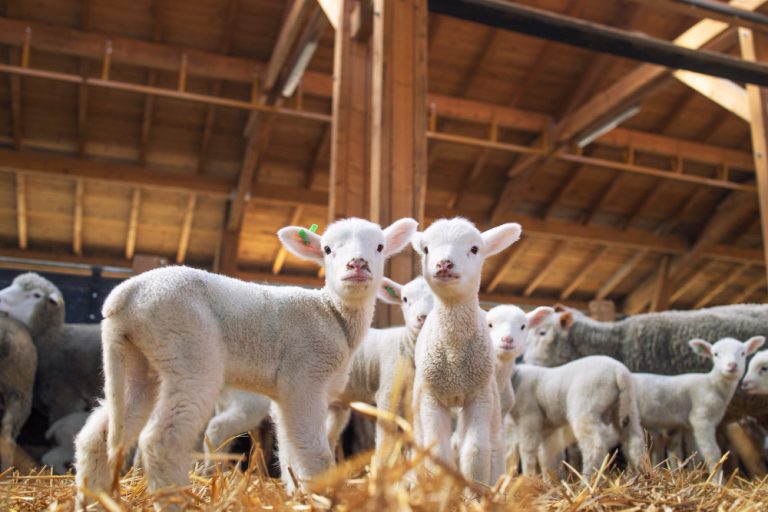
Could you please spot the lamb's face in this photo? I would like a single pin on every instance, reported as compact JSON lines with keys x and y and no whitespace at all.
{"x":416,"y":301}
{"x":543,"y":343}
{"x":26,"y":302}
{"x":756,"y":380}
{"x":452,"y":254}
{"x":728,"y":355}
{"x":352,"y":251}
{"x":509,"y":330}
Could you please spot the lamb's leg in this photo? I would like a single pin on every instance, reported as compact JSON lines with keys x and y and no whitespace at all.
{"x":338,"y":417}
{"x":632,"y":440}
{"x":435,"y":421}
{"x":513,"y":453}
{"x":706,"y":439}
{"x":675,"y":447}
{"x":301,"y":436}
{"x":551,"y":452}
{"x":7,"y":438}
{"x":497,"y":445}
{"x":238,"y":417}
{"x":591,"y":443}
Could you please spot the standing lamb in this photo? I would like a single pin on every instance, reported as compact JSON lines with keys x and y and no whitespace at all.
{"x":385,"y":356}
{"x":237,"y":411}
{"x":454,"y":360}
{"x":650,"y":343}
{"x":18,"y":360}
{"x":756,"y":380}
{"x":62,"y":435}
{"x":696,"y":401}
{"x":173,"y":337}
{"x":588,"y":396}
{"x":69,"y":355}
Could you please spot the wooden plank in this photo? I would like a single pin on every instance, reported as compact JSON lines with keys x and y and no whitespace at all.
{"x":758,"y":130}
{"x":82,"y":110}
{"x":149,"y":100}
{"x":133,"y":224}
{"x":513,"y":255}
{"x":333,"y":11}
{"x":620,"y":274}
{"x":16,"y":113}
{"x":289,"y":32}
{"x":713,"y":292}
{"x":228,"y":249}
{"x":186,"y":229}
{"x":21,"y":209}
{"x":605,"y":196}
{"x":563,"y":189}
{"x":77,"y":224}
{"x":748,"y":292}
{"x":725,"y":93}
{"x":253,"y":153}
{"x":660,"y":301}
{"x":596,"y":37}
{"x":587,"y":269}
{"x":731,"y":14}
{"x":277,"y":265}
{"x":320,"y":151}
{"x":555,"y":254}
{"x":683,"y":284}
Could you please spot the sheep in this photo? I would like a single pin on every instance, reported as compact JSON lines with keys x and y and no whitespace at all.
{"x":18,"y":361}
{"x":62,"y":434}
{"x":650,"y":343}
{"x":454,"y":360}
{"x":696,"y":401}
{"x":69,"y":355}
{"x":237,"y":411}
{"x":756,"y":380}
{"x":589,"y":396}
{"x":174,"y":336}
{"x":385,"y":355}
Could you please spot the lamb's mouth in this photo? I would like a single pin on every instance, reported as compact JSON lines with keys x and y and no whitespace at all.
{"x":445,"y":277}
{"x":357,"y":278}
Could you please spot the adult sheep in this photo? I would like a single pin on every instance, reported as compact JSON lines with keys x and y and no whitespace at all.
{"x":69,"y":355}
{"x":18,"y":360}
{"x":173,"y":337}
{"x":650,"y":343}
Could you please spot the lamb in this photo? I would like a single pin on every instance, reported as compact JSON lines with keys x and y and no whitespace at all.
{"x":756,"y":380}
{"x":650,"y":343}
{"x":69,"y":355}
{"x":589,"y":396}
{"x":385,"y":356}
{"x":174,"y":336}
{"x":62,"y":434}
{"x":237,"y":411}
{"x":696,"y":401}
{"x":18,"y":361}
{"x":454,"y":360}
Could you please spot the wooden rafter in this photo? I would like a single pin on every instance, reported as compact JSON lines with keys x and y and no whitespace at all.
{"x":680,"y":107}
{"x":725,"y":93}
{"x":21,"y":209}
{"x":513,"y":254}
{"x":592,"y":262}
{"x":186,"y":229}
{"x":683,"y":284}
{"x":680,"y":212}
{"x":133,"y":224}
{"x":605,"y":195}
{"x":149,"y":100}
{"x":77,"y":224}
{"x":560,"y":249}
{"x":617,"y":277}
{"x":320,"y":150}
{"x":82,"y":90}
{"x":733,"y":275}
{"x":277,"y":265}
{"x":563,"y":189}
{"x":16,"y":114}
{"x":660,"y":300}
{"x":748,"y":292}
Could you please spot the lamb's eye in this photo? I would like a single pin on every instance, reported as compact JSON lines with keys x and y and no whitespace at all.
{"x":743,"y":354}
{"x":716,"y":354}
{"x":542,"y":333}
{"x":426,"y":250}
{"x":405,"y":299}
{"x":522,"y":327}
{"x":474,"y":249}
{"x":36,"y":295}
{"x":764,"y":369}
{"x":490,"y":326}
{"x":327,"y":249}
{"x":380,"y":247}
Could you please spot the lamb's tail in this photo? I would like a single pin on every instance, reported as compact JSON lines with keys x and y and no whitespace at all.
{"x":627,"y":410}
{"x":118,"y":298}
{"x":114,"y":345}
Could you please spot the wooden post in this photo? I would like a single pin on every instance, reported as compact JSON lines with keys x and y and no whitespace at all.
{"x":757,"y":97}
{"x":399,"y":124}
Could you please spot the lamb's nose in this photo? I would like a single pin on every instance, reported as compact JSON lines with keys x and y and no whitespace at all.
{"x":357,"y":264}
{"x":507,"y":339}
{"x":444,"y":265}
{"x":731,"y":367}
{"x":421,"y":318}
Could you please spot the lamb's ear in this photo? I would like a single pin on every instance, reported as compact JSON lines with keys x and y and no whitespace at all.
{"x":301,"y":242}
{"x":499,"y":238}
{"x":754,"y":343}
{"x":389,"y":292}
{"x":56,"y":299}
{"x":416,"y":240}
{"x":559,"y":308}
{"x":538,"y":315}
{"x":566,"y":320}
{"x":701,"y":347}
{"x":397,"y":235}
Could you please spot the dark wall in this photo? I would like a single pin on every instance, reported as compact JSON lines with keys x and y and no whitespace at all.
{"x":83,"y":295}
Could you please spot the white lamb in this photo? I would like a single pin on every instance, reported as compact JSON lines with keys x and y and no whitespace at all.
{"x":62,"y":435}
{"x":385,"y":356}
{"x":454,"y":355}
{"x":583,"y":398}
{"x":237,"y":411}
{"x":173,"y":337}
{"x":756,"y":380}
{"x":696,"y":401}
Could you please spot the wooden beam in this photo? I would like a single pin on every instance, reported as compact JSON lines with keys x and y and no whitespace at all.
{"x":758,"y":128}
{"x":563,"y":189}
{"x":277,"y":265}
{"x":683,"y":284}
{"x":133,"y":224}
{"x":596,"y":37}
{"x":82,"y":110}
{"x":660,"y":301}
{"x":333,"y":11}
{"x":620,"y":275}
{"x":16,"y":113}
{"x":186,"y":229}
{"x":557,"y":252}
{"x":731,"y":14}
{"x":592,"y":263}
{"x":149,"y":100}
{"x":289,"y":32}
{"x":748,"y":292}
{"x":605,"y":195}
{"x":733,"y":276}
{"x":513,"y":254}
{"x":321,"y":149}
{"x":725,"y":93}
{"x":77,"y":225}
{"x":21,"y":209}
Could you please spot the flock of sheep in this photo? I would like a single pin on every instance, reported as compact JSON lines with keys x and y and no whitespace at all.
{"x":186,"y":351}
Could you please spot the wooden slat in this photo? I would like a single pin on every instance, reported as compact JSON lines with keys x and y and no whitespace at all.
{"x":563,"y":189}
{"x":133,"y":224}
{"x":758,"y":129}
{"x":713,"y":292}
{"x":186,"y":229}
{"x":725,"y":93}
{"x":748,"y":292}
{"x":16,"y":114}
{"x":277,"y":265}
{"x":605,"y":196}
{"x":21,"y":209}
{"x":77,"y":225}
{"x":149,"y":100}
{"x":660,"y":301}
{"x":320,"y":150}
{"x":618,"y":276}
{"x":559,"y":250}
{"x":682,"y":285}
{"x":82,"y":110}
{"x":513,"y":255}
{"x":591,"y":264}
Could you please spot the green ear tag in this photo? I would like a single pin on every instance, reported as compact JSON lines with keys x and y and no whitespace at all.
{"x":391,"y":291}
{"x":304,"y":237}
{"x":313,"y":228}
